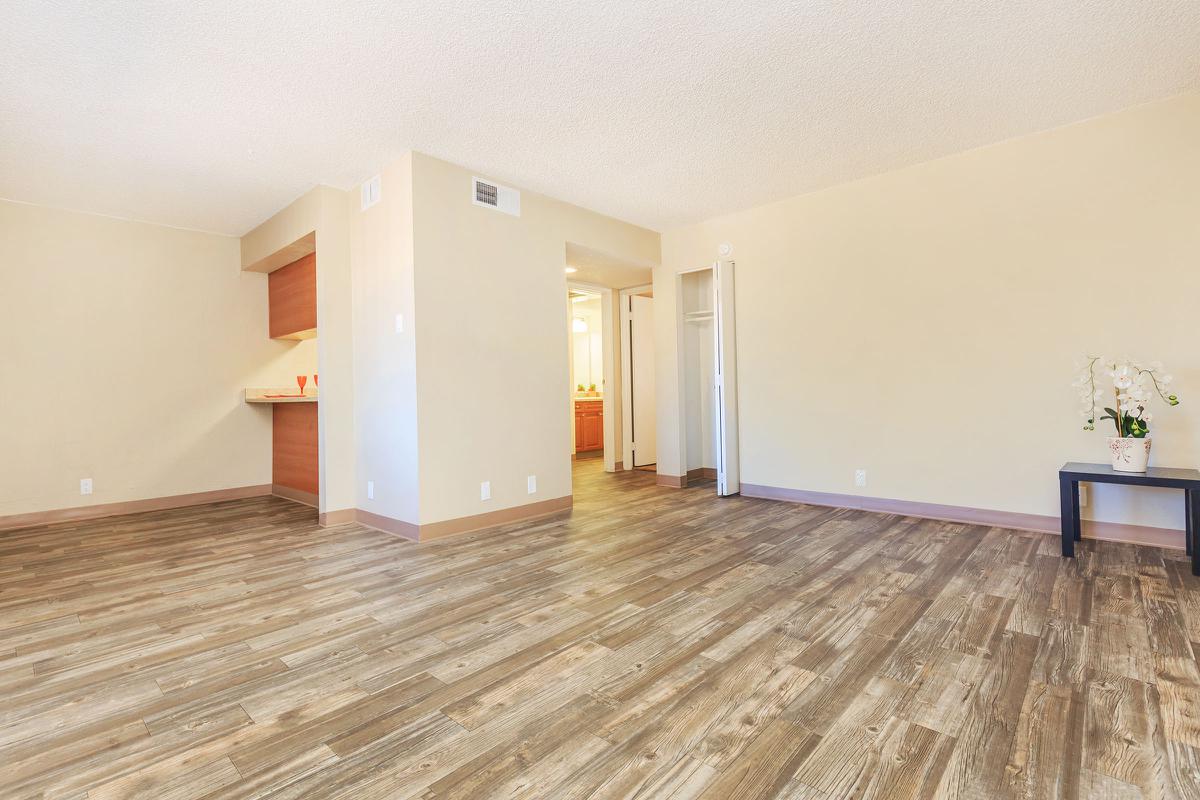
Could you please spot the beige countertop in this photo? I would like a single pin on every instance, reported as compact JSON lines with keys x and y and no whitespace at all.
{"x":288,"y":396}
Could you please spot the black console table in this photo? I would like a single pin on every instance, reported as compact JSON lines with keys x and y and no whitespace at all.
{"x":1186,"y":479}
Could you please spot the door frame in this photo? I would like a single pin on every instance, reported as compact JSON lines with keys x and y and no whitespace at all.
{"x":607,"y":345}
{"x":627,"y":373}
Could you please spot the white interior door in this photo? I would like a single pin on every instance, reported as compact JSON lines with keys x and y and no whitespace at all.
{"x":641,"y":383}
{"x":725,"y":381}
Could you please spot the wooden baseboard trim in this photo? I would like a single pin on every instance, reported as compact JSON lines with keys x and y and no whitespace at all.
{"x":396,"y":527}
{"x":450,"y":527}
{"x":296,"y":495}
{"x":671,"y":481}
{"x":702,"y":473}
{"x":341,"y":516}
{"x":492,"y":519}
{"x":37,"y":518}
{"x":1092,"y":529}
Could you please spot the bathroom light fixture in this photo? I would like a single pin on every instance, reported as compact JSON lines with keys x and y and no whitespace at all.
{"x":570,"y":270}
{"x":579,"y":325}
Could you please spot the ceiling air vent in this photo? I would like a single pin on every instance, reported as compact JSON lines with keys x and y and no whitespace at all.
{"x":493,"y":195}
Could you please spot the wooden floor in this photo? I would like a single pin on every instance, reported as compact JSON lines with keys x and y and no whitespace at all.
{"x":659,"y":643}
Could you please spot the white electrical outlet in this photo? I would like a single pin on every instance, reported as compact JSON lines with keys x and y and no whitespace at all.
{"x":485,"y":490}
{"x":860,"y":477}
{"x":399,"y":323}
{"x":85,"y":485}
{"x":370,"y":490}
{"x":531,"y":483}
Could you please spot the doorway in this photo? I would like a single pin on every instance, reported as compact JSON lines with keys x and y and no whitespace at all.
{"x":592,"y":274}
{"x":707,"y":376}
{"x":585,"y":322}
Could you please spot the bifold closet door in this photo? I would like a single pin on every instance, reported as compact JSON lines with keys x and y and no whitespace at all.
{"x":725,"y":381}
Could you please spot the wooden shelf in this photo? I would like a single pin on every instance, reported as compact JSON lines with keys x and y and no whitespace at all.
{"x":308,"y":333}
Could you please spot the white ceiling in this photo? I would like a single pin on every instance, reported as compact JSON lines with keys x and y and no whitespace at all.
{"x":214,"y":114}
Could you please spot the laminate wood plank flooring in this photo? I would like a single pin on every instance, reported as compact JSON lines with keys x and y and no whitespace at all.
{"x":655,"y":643}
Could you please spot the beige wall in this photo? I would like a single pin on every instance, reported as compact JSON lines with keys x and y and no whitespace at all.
{"x":922,"y":324}
{"x":385,"y":394}
{"x":325,"y":211}
{"x":491,"y":345}
{"x":127,"y":348}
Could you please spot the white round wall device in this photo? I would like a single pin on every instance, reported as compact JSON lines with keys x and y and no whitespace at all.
{"x":725,"y":249}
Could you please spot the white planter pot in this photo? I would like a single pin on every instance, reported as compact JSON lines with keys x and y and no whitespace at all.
{"x":1129,"y":455}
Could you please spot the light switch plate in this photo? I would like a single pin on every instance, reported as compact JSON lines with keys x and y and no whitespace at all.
{"x":531,"y":483}
{"x":370,"y":192}
{"x":370,"y":490}
{"x":485,"y":490}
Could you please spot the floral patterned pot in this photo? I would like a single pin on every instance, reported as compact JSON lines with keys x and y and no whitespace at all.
{"x":1128,"y":454}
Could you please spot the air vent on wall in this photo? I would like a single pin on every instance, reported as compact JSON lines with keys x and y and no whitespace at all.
{"x":493,"y":195}
{"x":486,"y":193}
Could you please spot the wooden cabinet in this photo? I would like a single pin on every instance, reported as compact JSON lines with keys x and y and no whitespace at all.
{"x":292,"y":293}
{"x":294,"y":448}
{"x":589,"y":425}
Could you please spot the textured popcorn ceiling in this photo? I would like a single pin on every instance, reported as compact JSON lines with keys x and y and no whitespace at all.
{"x":214,"y":114}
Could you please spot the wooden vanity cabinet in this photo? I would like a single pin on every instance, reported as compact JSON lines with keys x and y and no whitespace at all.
{"x":589,"y":425}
